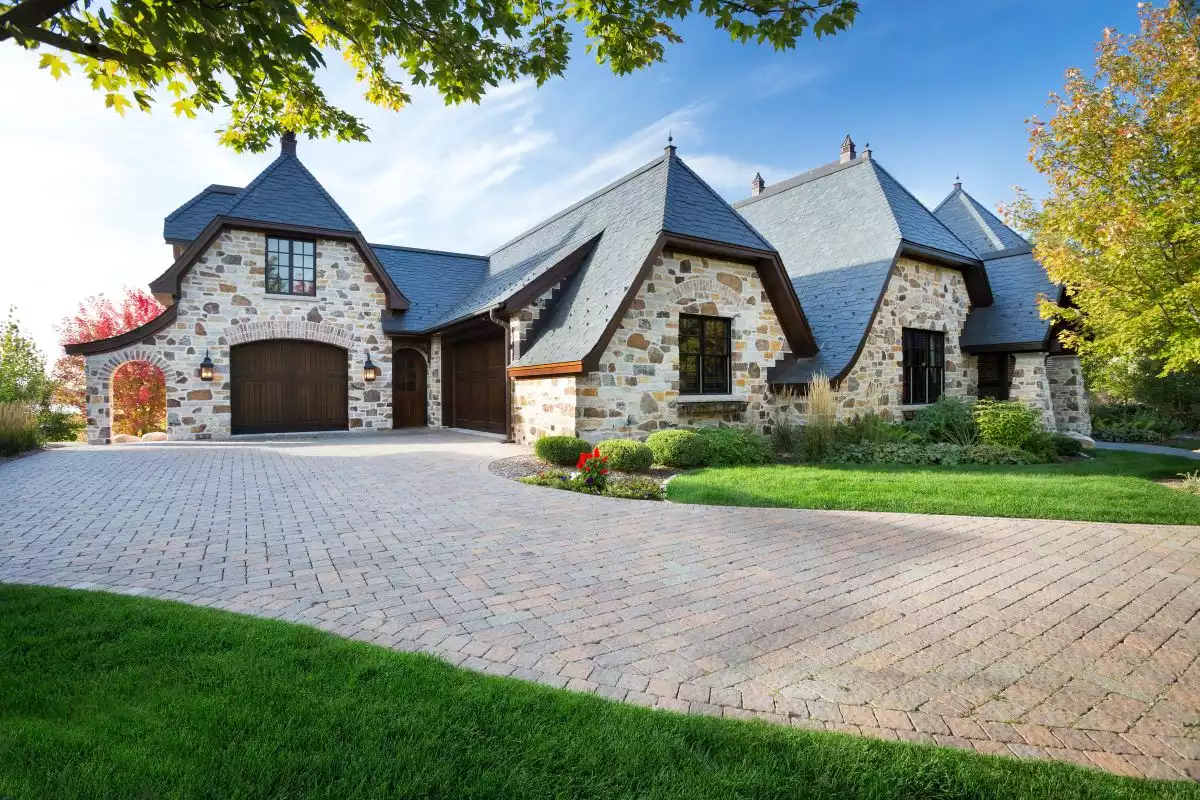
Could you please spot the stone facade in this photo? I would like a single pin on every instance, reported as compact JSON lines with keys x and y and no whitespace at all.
{"x":635,"y":391}
{"x":917,"y":295}
{"x":223,"y":303}
{"x":543,"y":407}
{"x":1068,"y":395}
{"x":1030,"y":385}
{"x":433,"y":383}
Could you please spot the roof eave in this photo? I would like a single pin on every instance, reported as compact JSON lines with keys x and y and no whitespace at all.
{"x":974,"y":274}
{"x":126,"y":339}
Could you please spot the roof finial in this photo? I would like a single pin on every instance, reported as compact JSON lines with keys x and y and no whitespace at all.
{"x":848,"y":153}
{"x":867,"y":151}
{"x":757,"y":185}
{"x":287,"y":143}
{"x":957,"y":182}
{"x":670,"y":148}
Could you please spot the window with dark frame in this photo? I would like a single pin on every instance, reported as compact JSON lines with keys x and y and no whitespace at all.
{"x":924,"y":366}
{"x":995,"y":375}
{"x":704,"y":355}
{"x":291,"y":266}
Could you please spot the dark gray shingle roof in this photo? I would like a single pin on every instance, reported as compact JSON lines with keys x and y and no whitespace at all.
{"x":1017,"y":279}
{"x":286,"y":192}
{"x":185,"y":223}
{"x":838,"y":229}
{"x":433,"y":281}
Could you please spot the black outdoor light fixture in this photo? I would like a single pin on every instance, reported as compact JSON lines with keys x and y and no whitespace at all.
{"x":206,"y":368}
{"x":370,"y":371}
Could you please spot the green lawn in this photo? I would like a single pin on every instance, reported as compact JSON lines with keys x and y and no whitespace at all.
{"x":1112,"y":487}
{"x":1184,"y":442}
{"x":119,"y":697}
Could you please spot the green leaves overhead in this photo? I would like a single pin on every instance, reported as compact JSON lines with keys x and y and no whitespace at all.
{"x":259,"y":58}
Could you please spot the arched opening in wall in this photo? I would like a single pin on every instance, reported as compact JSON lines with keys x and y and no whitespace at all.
{"x":408,"y":389}
{"x":139,"y":399}
{"x":288,"y":385}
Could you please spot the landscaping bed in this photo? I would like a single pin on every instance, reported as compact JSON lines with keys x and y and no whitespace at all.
{"x":115,"y":696}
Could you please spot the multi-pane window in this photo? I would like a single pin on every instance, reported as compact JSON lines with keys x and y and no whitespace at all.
{"x":995,"y":374}
{"x":291,"y":266}
{"x":924,"y":366}
{"x":703,"y":355}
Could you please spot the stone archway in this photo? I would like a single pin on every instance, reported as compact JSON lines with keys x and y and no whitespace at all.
{"x":100,"y":369}
{"x":289,"y":328}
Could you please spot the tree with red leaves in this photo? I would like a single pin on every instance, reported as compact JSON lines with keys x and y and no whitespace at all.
{"x":139,"y":391}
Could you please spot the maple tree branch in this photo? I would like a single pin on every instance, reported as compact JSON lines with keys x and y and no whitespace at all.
{"x":89,"y":49}
{"x":30,"y":14}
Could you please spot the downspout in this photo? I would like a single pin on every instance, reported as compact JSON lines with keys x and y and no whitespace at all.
{"x":508,"y":428}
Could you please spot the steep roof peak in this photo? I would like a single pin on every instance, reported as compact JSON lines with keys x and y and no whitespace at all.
{"x":286,"y":192}
{"x":975,"y":225}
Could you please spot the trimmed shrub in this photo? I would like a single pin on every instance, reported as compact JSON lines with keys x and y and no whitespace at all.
{"x":626,"y":455}
{"x":1008,"y":424}
{"x":635,"y":488}
{"x":942,"y":453}
{"x":678,"y":447}
{"x":820,"y":428}
{"x":18,"y":429}
{"x":1120,"y":432}
{"x":736,"y":447}
{"x":948,"y":420}
{"x":561,"y":450}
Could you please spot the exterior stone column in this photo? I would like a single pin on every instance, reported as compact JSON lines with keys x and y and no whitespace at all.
{"x":99,"y":370}
{"x":433,"y":383}
{"x":1030,"y":384}
{"x":1068,"y":395}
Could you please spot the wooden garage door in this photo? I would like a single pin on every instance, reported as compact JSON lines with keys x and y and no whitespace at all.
{"x":283,"y":385}
{"x":478,"y":400}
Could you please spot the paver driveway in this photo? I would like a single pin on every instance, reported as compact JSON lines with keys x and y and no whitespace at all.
{"x":1068,"y":640}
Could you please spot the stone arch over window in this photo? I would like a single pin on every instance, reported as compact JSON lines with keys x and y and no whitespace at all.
{"x":284,"y":328}
{"x":700,"y":288}
{"x":419,"y":348}
{"x":100,"y":370}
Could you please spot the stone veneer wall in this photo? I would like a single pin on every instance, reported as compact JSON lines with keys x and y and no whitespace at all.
{"x":1068,"y":394}
{"x":1031,"y":385}
{"x":433,"y":382}
{"x":543,"y":407}
{"x":223,"y":302}
{"x":918,"y":295}
{"x":635,"y":391}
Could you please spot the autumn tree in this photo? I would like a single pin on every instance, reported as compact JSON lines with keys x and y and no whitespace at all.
{"x":260,"y":58}
{"x":1121,"y":226}
{"x":139,"y":394}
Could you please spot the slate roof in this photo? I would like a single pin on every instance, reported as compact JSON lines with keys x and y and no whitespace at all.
{"x":433,"y":281}
{"x":838,"y":228}
{"x":185,"y":223}
{"x":1017,"y":279}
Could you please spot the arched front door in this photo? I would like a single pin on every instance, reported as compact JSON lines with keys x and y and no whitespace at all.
{"x":282,"y":385}
{"x":408,"y":389}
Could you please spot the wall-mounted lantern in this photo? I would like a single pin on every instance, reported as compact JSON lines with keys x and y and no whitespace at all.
{"x":206,"y":368}
{"x":370,"y":371}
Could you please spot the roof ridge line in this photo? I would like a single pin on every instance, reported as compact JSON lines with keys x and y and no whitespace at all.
{"x":713,"y":192}
{"x":427,"y":250}
{"x":913,"y":197}
{"x":800,"y":179}
{"x":575,"y":206}
{"x":200,"y":195}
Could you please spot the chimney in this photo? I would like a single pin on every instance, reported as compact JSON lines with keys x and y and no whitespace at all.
{"x":848,"y":152}
{"x":757,"y":185}
{"x":957,"y":184}
{"x":287,"y":143}
{"x":670,"y":148}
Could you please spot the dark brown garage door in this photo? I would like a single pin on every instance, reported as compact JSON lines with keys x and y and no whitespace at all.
{"x":283,"y":385}
{"x":478,"y":401}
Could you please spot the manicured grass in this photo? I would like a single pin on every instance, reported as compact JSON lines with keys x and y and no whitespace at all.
{"x":1112,"y":487}
{"x":120,"y":697}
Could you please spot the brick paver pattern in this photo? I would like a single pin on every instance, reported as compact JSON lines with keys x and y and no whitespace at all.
{"x":1043,"y":639}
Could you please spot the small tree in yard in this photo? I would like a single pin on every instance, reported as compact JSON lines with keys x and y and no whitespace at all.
{"x":260,"y":57}
{"x":139,"y":395}
{"x":1121,"y":227}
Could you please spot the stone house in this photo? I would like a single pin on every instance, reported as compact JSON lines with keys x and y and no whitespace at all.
{"x":650,"y":304}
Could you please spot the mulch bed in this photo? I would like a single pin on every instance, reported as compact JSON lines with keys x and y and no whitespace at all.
{"x":516,"y":467}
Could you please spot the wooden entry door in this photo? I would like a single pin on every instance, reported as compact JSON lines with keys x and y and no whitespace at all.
{"x":284,"y":385}
{"x":479,"y":384}
{"x":408,"y":389}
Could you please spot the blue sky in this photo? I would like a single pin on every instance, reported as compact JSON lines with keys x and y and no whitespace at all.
{"x":937,"y":88}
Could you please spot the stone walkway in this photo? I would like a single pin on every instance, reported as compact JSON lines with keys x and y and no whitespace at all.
{"x":1041,"y":639}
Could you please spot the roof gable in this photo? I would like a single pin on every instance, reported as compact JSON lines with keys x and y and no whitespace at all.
{"x":979,"y":228}
{"x":692,"y":208}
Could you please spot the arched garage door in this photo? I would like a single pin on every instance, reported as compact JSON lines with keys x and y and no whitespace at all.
{"x":284,"y":385}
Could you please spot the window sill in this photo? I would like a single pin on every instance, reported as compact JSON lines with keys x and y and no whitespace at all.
{"x":690,"y":399}
{"x":299,"y":298}
{"x":914,"y":406}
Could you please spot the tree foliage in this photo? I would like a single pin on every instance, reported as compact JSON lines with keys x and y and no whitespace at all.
{"x":261,"y":57}
{"x":139,"y":393}
{"x":22,"y":368}
{"x":1121,"y":227}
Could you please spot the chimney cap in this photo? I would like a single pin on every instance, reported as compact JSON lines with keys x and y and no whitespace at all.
{"x":287,"y":143}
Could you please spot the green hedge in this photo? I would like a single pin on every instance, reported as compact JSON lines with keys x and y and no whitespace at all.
{"x":626,"y":455}
{"x":736,"y":447}
{"x":679,"y":448}
{"x":936,"y":453}
{"x":561,"y":450}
